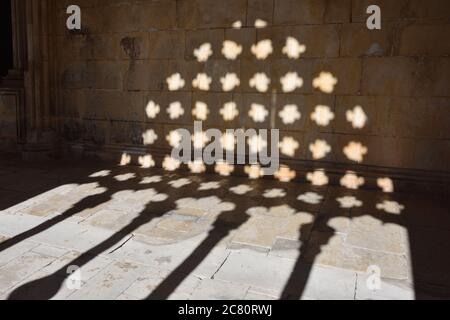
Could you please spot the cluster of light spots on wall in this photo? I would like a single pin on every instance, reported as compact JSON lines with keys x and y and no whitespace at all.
{"x":322,"y":115}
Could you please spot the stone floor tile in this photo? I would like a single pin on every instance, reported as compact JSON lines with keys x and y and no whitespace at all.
{"x":20,"y":268}
{"x":370,"y":233}
{"x":333,"y":250}
{"x":259,"y":230}
{"x":267,"y":272}
{"x":209,"y":289}
{"x":389,"y":290}
{"x":111,"y":282}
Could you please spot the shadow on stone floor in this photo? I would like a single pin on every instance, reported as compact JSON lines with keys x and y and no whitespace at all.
{"x":341,"y":223}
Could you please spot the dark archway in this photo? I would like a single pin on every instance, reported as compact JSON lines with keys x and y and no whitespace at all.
{"x":6,"y":38}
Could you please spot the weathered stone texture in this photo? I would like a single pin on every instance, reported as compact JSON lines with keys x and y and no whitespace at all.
{"x":399,"y":75}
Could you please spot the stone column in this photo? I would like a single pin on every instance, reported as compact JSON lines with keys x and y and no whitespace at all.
{"x":39,"y":80}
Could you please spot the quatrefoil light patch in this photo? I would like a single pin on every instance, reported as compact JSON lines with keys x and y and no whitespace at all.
{"x":257,"y":144}
{"x":260,"y":82}
{"x":149,"y":137}
{"x":290,"y":114}
{"x":229,"y":111}
{"x":228,"y":141}
{"x":200,"y":111}
{"x":174,"y":138}
{"x":150,"y":180}
{"x":325,"y":82}
{"x":391,"y":207}
{"x":254,"y":171}
{"x":355,"y":151}
{"x":274,"y":193}
{"x":310,"y":198}
{"x":290,"y":82}
{"x":349,"y":202}
{"x":175,"y":110}
{"x":209,"y":186}
{"x":322,"y":115}
{"x":293,"y":49}
{"x":152,"y":110}
{"x":224,"y":169}
{"x":180,"y":183}
{"x":262,"y":49}
{"x":146,"y":161}
{"x":231,"y":50}
{"x":319,"y":149}
{"x":285,"y":174}
{"x":357,"y":117}
{"x":241,"y":189}
{"x":352,"y":181}
{"x":175,"y":82}
{"x":197,"y":166}
{"x":202,"y":82}
{"x":171,"y":164}
{"x":317,"y":178}
{"x":200,"y":139}
{"x":230,"y":82}
{"x":203,"y":52}
{"x":288,"y":146}
{"x":258,"y":112}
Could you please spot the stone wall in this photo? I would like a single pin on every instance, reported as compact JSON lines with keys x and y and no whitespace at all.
{"x":399,"y":75}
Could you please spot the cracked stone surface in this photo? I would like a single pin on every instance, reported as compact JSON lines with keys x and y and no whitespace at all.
{"x":154,"y":241}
